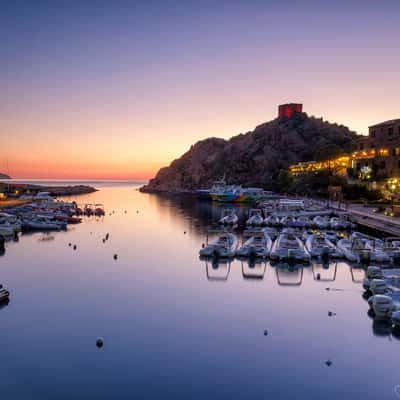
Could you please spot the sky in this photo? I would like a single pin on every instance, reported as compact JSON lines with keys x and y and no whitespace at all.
{"x":118,"y":89}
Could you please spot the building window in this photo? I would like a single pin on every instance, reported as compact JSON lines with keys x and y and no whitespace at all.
{"x":358,"y":166}
{"x":361,"y":146}
{"x":393,"y":152}
{"x":382,"y":165}
{"x":372,"y":145}
{"x":390,"y":131}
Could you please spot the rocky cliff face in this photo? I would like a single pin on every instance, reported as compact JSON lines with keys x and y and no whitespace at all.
{"x":255,"y":158}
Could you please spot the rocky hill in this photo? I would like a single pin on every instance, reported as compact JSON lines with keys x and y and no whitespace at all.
{"x":4,"y":176}
{"x":256,"y":158}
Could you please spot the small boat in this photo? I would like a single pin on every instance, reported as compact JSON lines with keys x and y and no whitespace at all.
{"x":255,"y":218}
{"x":6,"y":231}
{"x":320,"y":246}
{"x":289,"y":221}
{"x":228,"y":217}
{"x":289,"y":247}
{"x":225,"y":246}
{"x":259,"y":245}
{"x":396,"y":318}
{"x":4,"y":294}
{"x":337,"y":223}
{"x":373,"y":272}
{"x":273,"y":220}
{"x":332,"y":236}
{"x":321,"y":222}
{"x":303,"y":222}
{"x":345,"y":245}
{"x":378,"y":286}
{"x":382,"y":305}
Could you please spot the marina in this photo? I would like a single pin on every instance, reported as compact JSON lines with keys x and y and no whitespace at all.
{"x":224,"y":304}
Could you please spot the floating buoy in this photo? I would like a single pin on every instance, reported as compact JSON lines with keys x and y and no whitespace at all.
{"x":265,"y":333}
{"x":331,"y":314}
{"x":137,"y":211}
{"x":328,"y":363}
{"x":69,"y":244}
{"x":184,"y":232}
{"x":318,"y":276}
{"x":74,"y":247}
{"x":99,"y":342}
{"x":115,"y":256}
{"x":107,"y":236}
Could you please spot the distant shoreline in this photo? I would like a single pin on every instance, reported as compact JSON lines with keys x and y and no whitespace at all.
{"x":67,"y":190}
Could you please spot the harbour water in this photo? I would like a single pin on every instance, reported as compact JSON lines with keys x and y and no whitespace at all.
{"x":175,"y":326}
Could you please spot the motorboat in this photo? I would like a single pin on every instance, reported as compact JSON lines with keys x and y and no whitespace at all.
{"x":228,"y":217}
{"x":289,"y":247}
{"x":382,"y":305}
{"x":4,"y":294}
{"x":224,"y":246}
{"x":42,"y":224}
{"x":391,"y":247}
{"x":289,"y":221}
{"x":332,"y":236}
{"x":396,"y":318}
{"x":273,"y":220}
{"x":337,"y":223}
{"x":303,"y":222}
{"x":259,"y":245}
{"x":255,"y":218}
{"x":345,"y":245}
{"x":357,"y":249}
{"x":272,"y":232}
{"x":321,"y":222}
{"x":378,"y":286}
{"x":373,"y":272}
{"x":321,"y":247}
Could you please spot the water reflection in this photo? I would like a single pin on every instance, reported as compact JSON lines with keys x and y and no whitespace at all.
{"x":325,"y":272}
{"x":253,"y":269}
{"x":217,"y":270}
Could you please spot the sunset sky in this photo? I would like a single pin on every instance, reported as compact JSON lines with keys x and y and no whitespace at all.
{"x":114,"y":89}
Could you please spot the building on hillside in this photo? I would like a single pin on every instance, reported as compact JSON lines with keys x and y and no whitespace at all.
{"x":288,"y":110}
{"x":379,"y":152}
{"x":338,"y":165}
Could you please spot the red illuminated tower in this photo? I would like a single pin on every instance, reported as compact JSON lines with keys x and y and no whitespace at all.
{"x":287,"y":110}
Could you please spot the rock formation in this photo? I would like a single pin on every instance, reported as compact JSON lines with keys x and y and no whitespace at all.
{"x":255,"y":158}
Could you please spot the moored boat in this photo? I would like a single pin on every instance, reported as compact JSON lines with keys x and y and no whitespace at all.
{"x":224,"y":246}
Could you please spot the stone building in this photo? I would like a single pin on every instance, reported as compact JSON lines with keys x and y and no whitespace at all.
{"x":379,"y":152}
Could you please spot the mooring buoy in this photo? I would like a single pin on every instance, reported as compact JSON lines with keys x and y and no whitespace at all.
{"x":115,"y":256}
{"x":99,"y":342}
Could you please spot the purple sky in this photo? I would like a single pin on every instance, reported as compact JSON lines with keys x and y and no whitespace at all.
{"x":114,"y":89}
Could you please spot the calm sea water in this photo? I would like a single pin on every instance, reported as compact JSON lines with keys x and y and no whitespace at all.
{"x":175,"y":326}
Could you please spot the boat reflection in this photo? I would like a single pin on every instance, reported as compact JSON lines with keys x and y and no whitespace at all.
{"x":289,"y":274}
{"x":217,"y":269}
{"x":253,"y":269}
{"x":321,"y":272}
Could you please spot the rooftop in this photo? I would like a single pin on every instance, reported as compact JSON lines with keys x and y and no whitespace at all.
{"x":389,"y":122}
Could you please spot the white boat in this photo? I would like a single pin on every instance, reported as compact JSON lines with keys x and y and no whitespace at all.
{"x":259,"y":244}
{"x":382,"y":305}
{"x":321,"y":222}
{"x":396,"y":318}
{"x":41,"y":224}
{"x":320,"y":246}
{"x":6,"y":231}
{"x":224,"y":246}
{"x":273,"y":220}
{"x":345,"y":245}
{"x":289,"y":247}
{"x":357,"y":249}
{"x":289,"y":221}
{"x":4,"y":294}
{"x":255,"y":218}
{"x":228,"y":217}
{"x":378,"y":286}
{"x":303,"y":222}
{"x":337,"y":223}
{"x":332,"y":236}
